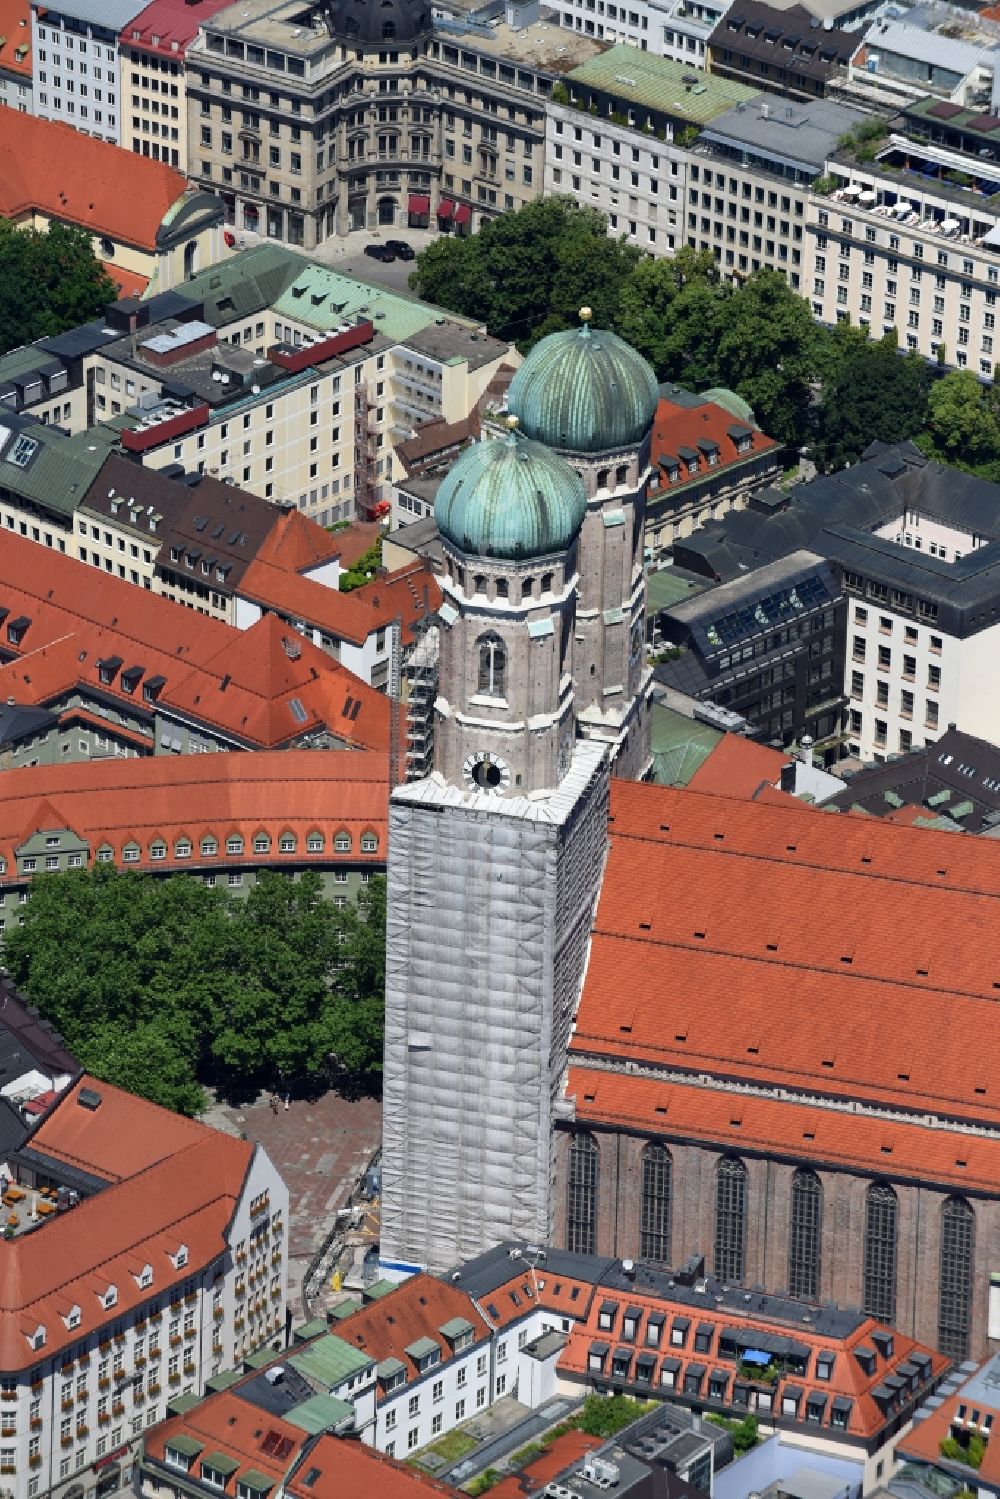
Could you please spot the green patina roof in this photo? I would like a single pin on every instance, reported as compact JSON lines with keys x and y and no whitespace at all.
{"x":637,"y":77}
{"x":223,"y":1379}
{"x":511,"y":499}
{"x":309,"y":1330}
{"x":245,"y":284}
{"x":679,"y":745}
{"x":455,"y":1327}
{"x":422,"y":1348}
{"x":668,"y":585}
{"x":321,"y":1413}
{"x":345,"y":1309}
{"x":324,"y":299}
{"x":184,"y":1444}
{"x":329,"y":1360}
{"x":379,"y":1289}
{"x":220,"y":1462}
{"x":179,"y":1405}
{"x":722,"y":396}
{"x":584,"y":390}
{"x":62,"y":468}
{"x":256,"y":1480}
{"x":259,"y":1359}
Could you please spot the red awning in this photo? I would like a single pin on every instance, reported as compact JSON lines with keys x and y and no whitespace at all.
{"x":463,"y":213}
{"x":445,"y":208}
{"x":418,"y":204}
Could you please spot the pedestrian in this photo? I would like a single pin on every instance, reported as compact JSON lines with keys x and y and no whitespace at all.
{"x":274,"y":1103}
{"x":287,"y":1097}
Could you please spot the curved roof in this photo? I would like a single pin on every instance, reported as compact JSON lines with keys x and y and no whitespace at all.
{"x":510,"y":499}
{"x":584,"y":390}
{"x":720,"y":395}
{"x":377,"y":21}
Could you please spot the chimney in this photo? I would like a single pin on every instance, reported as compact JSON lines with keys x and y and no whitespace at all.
{"x":788,"y":778}
{"x":807,"y":749}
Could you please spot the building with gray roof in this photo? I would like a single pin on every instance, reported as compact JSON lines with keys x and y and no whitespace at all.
{"x":56,"y":33}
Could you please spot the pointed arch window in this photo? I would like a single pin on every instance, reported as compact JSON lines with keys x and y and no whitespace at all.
{"x":654,"y":1234}
{"x":581,"y":1216}
{"x":879,"y":1281}
{"x":955,"y":1279}
{"x":730,"y":1218}
{"x":805,"y":1223}
{"x":492,"y":666}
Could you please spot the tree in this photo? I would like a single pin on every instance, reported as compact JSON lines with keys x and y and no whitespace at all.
{"x":962,"y":420}
{"x":769,"y":353}
{"x":528,"y":272}
{"x":875,"y":395}
{"x":160,"y":985}
{"x":48,"y":282}
{"x":363,"y":570}
{"x":672,"y":312}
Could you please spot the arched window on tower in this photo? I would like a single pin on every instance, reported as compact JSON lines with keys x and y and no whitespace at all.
{"x":730,"y":1218}
{"x":581,"y":1214}
{"x":804,"y":1226}
{"x":654,"y":1232}
{"x":955,"y":1282}
{"x":878,"y":1297}
{"x":492,"y":666}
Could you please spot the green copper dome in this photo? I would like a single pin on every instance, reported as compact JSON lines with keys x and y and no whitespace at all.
{"x":585,"y":390}
{"x":510,"y":499}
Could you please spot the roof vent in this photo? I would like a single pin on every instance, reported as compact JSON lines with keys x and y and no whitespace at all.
{"x":89,"y":1098}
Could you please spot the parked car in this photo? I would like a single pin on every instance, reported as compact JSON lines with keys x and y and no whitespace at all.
{"x":401,"y":249}
{"x":380,"y":252}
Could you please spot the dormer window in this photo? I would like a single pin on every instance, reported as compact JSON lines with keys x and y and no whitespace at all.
{"x":180,"y":1259}
{"x":36,"y":1339}
{"x":369,"y":843}
{"x":72,"y":1318}
{"x":234,"y":845}
{"x":145,"y":1277}
{"x":110,"y":1298}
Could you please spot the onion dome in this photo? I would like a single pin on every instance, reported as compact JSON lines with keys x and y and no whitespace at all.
{"x":510,"y":498}
{"x":720,"y":395}
{"x":585,"y":390}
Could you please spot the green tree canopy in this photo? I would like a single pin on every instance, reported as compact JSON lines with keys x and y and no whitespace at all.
{"x":962,"y":420}
{"x":769,"y":353}
{"x":162,"y":985}
{"x":48,"y":282}
{"x":873,"y":395}
{"x":527,"y":273}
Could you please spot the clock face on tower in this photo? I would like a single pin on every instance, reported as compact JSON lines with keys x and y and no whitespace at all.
{"x":486,"y":772}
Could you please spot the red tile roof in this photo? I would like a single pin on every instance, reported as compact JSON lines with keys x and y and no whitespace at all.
{"x":416,"y":1309}
{"x":563,"y":1453}
{"x":297,"y":545}
{"x":114,"y":802}
{"x":676,"y":426}
{"x":174,"y":23}
{"x":778,"y":946}
{"x":171,"y":1182}
{"x":51,"y":168}
{"x":923,"y":1442}
{"x":410,"y":592}
{"x":738,"y":767}
{"x":15,"y":26}
{"x":847,"y":1380}
{"x":240,"y":682}
{"x":129,"y":284}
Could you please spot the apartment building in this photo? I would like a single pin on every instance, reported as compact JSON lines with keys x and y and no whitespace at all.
{"x":780,"y":50}
{"x":314,"y":121}
{"x":678,"y":29}
{"x":274,"y":373}
{"x":901,"y":242}
{"x":915,"y":548}
{"x":153,"y":45}
{"x":16,"y":63}
{"x":709,"y":457}
{"x":223,"y":819}
{"x":613,"y":140}
{"x":77,"y":63}
{"x":149,"y":1252}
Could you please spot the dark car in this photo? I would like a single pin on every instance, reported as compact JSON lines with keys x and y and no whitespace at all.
{"x":401,"y":249}
{"x":380,"y":252}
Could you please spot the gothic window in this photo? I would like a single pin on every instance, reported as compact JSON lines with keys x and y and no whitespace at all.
{"x":879,"y":1289}
{"x":955,"y":1284}
{"x":581,"y":1218}
{"x":654,"y":1235}
{"x":803,"y":1237}
{"x":730,"y":1218}
{"x":492,"y":666}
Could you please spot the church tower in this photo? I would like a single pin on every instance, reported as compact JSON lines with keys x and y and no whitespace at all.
{"x":592,"y":398}
{"x":495,"y":861}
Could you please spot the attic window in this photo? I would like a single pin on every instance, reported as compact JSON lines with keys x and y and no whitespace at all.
{"x":72,"y":1318}
{"x":110,"y":1298}
{"x":37,"y":1339}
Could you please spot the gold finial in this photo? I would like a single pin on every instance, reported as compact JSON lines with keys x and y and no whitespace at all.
{"x":511,"y":422}
{"x":586,"y":313}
